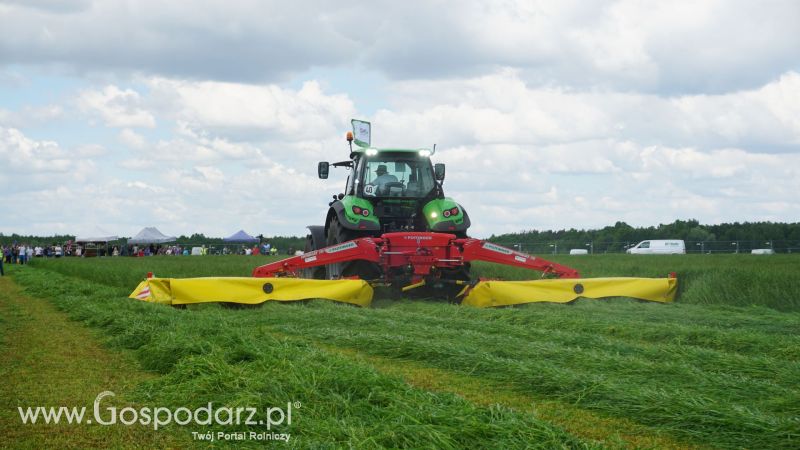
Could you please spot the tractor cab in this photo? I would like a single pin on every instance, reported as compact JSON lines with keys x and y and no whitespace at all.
{"x":394,"y":175}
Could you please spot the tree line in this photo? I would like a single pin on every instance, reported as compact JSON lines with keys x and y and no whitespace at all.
{"x":724,"y":237}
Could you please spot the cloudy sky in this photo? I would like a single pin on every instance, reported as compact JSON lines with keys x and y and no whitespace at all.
{"x":210,"y":116}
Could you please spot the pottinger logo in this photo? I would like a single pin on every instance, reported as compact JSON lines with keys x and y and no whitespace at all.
{"x":418,"y":239}
{"x":341,"y":247}
{"x":497,"y":248}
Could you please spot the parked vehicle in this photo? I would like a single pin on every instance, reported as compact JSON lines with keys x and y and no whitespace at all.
{"x":659,"y":247}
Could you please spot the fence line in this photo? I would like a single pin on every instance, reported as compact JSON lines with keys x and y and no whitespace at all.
{"x":708,"y":247}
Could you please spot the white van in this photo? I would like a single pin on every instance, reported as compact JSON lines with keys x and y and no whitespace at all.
{"x":659,"y":247}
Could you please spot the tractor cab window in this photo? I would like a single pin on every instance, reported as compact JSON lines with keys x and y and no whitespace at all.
{"x":397,"y":177}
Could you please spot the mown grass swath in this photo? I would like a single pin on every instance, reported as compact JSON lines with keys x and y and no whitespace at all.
{"x":209,"y":356}
{"x":719,"y":367}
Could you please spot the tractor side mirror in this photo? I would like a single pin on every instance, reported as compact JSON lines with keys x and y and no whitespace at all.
{"x":322,"y":169}
{"x":438,"y":171}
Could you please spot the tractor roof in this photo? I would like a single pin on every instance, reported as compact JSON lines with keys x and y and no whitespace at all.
{"x":370,"y":150}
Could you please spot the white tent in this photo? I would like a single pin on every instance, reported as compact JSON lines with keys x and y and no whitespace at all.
{"x":96,"y":235}
{"x":151,"y":235}
{"x":97,"y":239}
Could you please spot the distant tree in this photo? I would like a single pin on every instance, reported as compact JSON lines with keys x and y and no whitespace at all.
{"x":700,"y":234}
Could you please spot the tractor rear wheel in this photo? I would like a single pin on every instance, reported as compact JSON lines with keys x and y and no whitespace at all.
{"x":316,"y":273}
{"x":338,"y":234}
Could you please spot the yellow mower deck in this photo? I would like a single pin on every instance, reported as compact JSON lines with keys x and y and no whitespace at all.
{"x":250,"y":291}
{"x":485,"y":294}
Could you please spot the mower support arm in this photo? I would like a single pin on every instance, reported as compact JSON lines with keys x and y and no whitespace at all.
{"x":365,"y":248}
{"x":477,"y":250}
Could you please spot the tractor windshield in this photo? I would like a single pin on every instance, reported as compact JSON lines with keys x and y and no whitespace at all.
{"x":400,"y":176}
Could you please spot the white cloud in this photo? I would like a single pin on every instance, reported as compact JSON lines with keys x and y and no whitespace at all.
{"x":31,"y":115}
{"x":500,"y":108}
{"x":252,"y":110}
{"x":137,"y":164}
{"x":680,"y":46}
{"x":21,"y":154}
{"x":548,"y":115}
{"x":132,"y":139}
{"x":117,"y":107}
{"x":33,"y":165}
{"x":89,"y":151}
{"x":244,"y":40}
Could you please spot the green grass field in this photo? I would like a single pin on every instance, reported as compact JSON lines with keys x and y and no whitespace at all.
{"x":719,"y":368}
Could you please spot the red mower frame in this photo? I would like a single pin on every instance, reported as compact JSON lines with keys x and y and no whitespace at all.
{"x":422,"y":255}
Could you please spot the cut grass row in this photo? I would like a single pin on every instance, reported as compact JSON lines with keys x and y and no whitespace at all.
{"x":48,"y":360}
{"x":212,"y":357}
{"x":719,"y":375}
{"x":611,"y":431}
{"x":728,"y":398}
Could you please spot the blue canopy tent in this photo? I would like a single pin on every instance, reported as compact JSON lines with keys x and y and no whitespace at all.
{"x":240,"y":237}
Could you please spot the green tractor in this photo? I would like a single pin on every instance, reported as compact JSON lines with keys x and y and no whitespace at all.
{"x":387,"y":190}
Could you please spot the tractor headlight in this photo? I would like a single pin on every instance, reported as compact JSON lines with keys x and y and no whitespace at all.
{"x":434,"y":215}
{"x":361,"y":211}
{"x":371,"y":152}
{"x":424,"y":153}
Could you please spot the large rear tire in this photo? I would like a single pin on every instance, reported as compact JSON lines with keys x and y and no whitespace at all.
{"x":338,"y":234}
{"x":316,"y":273}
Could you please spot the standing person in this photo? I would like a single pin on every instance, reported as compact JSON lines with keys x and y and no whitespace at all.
{"x":2,"y":256}
{"x":29,"y":254}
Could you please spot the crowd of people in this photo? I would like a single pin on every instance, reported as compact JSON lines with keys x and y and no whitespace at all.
{"x":226,"y":249}
{"x":151,"y":250}
{"x":23,"y":253}
{"x":263,"y":249}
